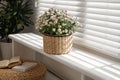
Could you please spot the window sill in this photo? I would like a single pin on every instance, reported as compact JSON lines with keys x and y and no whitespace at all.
{"x":98,"y":67}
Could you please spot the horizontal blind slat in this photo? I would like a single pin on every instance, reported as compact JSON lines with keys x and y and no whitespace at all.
{"x":101,"y":29}
{"x":103,"y":24}
{"x":98,"y":40}
{"x":99,"y":34}
{"x":97,"y":45}
{"x":110,"y":1}
{"x":102,"y":5}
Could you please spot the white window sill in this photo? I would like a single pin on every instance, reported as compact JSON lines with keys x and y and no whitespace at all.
{"x":99,"y":67}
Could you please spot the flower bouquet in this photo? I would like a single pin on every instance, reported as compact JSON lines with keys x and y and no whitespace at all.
{"x":57,"y":28}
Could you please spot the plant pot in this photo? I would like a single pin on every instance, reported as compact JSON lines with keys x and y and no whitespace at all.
{"x":6,"y":50}
{"x":57,"y":45}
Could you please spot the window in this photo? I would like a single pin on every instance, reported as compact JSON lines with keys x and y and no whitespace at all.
{"x":100,"y":19}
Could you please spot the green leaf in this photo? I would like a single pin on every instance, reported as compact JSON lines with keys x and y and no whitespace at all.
{"x":14,"y":13}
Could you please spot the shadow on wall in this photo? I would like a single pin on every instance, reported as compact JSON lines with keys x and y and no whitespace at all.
{"x":0,"y":54}
{"x":28,"y":29}
{"x":31,"y":28}
{"x":0,"y":51}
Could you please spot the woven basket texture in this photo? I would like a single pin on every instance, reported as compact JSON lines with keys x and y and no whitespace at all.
{"x":57,"y":45}
{"x":37,"y":73}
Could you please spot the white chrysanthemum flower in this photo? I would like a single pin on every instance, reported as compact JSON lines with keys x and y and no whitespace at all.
{"x":66,"y":30}
{"x":51,"y":9}
{"x":56,"y":21}
{"x":66,"y":18}
{"x":59,"y":30}
{"x":53,"y":29}
{"x":50,"y":22}
{"x":59,"y":26}
{"x":46,"y":13}
{"x":63,"y":24}
{"x":40,"y":28}
{"x":63,"y":31}
{"x":78,"y":23}
{"x":46,"y":23}
{"x":56,"y":10}
{"x":53,"y":19}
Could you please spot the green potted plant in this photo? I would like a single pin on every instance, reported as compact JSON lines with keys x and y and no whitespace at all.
{"x":57,"y":28}
{"x":14,"y":16}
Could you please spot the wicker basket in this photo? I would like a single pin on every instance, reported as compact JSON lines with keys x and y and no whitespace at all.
{"x":37,"y":73}
{"x":57,"y":45}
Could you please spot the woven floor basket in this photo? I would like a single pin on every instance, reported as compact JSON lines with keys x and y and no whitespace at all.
{"x":57,"y":45}
{"x":37,"y":73}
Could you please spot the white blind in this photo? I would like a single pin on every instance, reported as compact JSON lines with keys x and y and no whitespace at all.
{"x":100,"y":19}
